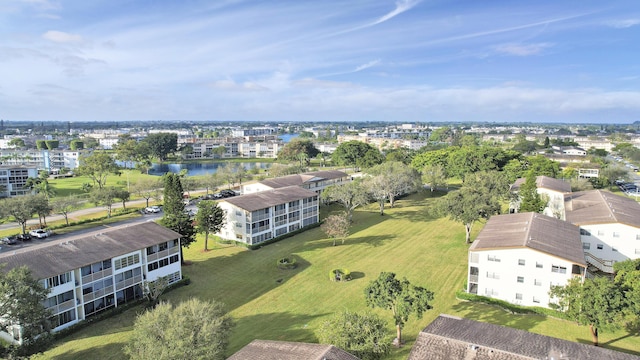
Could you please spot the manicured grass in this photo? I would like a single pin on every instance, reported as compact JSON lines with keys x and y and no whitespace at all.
{"x":73,"y":185}
{"x":270,"y":303}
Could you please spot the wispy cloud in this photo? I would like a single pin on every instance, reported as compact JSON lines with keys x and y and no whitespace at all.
{"x":61,"y":37}
{"x":522,"y":49}
{"x":401,"y":6}
{"x":230,"y":85}
{"x":367,"y":65}
{"x":623,"y":23}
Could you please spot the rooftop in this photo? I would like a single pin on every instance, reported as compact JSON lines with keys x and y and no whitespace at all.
{"x":283,"y":350}
{"x":601,"y":207}
{"x":269,"y":198}
{"x":532,"y":230}
{"x":60,"y":256}
{"x":449,"y":337}
{"x":545,"y":182}
{"x":301,"y":179}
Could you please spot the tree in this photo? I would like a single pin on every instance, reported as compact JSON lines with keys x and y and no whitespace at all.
{"x":611,"y":173}
{"x":105,"y":197}
{"x":434,"y":176}
{"x":350,"y":195}
{"x":41,"y":145}
{"x":530,"y":200}
{"x":336,"y":226}
{"x":21,"y":208}
{"x":211,"y":182}
{"x":124,"y":196}
{"x":16,"y":143}
{"x":219,"y":151}
{"x":209,"y":219}
{"x":174,"y":216}
{"x":127,"y":151}
{"x":76,"y":144}
{"x":147,"y":188}
{"x":401,"y":297}
{"x":42,"y":208}
{"x":226,"y":173}
{"x":478,"y":198}
{"x":356,"y":154}
{"x":65,"y":205}
{"x":153,"y":289}
{"x":390,"y":180}
{"x":299,"y":150}
{"x":195,"y":329}
{"x":97,"y":166}
{"x":362,"y":335}
{"x":21,"y":303}
{"x":598,"y":303}
{"x":52,"y":144}
{"x":162,"y":144}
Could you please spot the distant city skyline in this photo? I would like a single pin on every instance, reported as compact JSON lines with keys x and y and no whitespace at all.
{"x":363,"y":60}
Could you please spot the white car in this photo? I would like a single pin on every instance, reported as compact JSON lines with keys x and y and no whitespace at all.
{"x":40,"y":233}
{"x":152,"y":209}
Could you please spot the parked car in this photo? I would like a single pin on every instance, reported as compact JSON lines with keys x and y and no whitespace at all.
{"x":9,"y":240}
{"x":24,"y":237}
{"x":40,"y":233}
{"x":152,"y":209}
{"x":227,"y":193}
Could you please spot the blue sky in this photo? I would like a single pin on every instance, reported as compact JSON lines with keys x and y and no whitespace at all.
{"x":403,"y":60}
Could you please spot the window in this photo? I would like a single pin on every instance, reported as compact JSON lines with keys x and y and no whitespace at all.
{"x":538,"y":265}
{"x":518,"y":296}
{"x":493,"y":258}
{"x":521,"y":262}
{"x":536,"y":300}
{"x":474,"y":257}
{"x":613,"y":248}
{"x":127,"y":261}
{"x":238,"y":213}
{"x":586,"y":246}
{"x":493,"y":275}
{"x":616,"y":234}
{"x":521,"y":279}
{"x":600,"y":246}
{"x":585,"y":232}
{"x":638,"y":237}
{"x":537,"y":282}
{"x":600,"y":233}
{"x":162,"y":246}
{"x":152,"y":250}
{"x":238,"y":225}
{"x":558,"y":269}
{"x":637,"y":251}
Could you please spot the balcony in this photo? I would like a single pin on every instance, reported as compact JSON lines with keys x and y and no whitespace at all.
{"x":473,"y":278}
{"x":602,"y":265}
{"x":128,"y":282}
{"x":62,"y":307}
{"x":97,"y":294}
{"x":162,"y":254}
{"x":96,"y":276}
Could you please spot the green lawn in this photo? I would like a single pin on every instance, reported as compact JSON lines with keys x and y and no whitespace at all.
{"x":269,"y":303}
{"x":73,"y":185}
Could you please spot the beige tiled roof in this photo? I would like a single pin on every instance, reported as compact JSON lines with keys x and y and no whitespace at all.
{"x":545,"y":182}
{"x":601,"y":207}
{"x":283,"y":350}
{"x":265,"y":199}
{"x":452,"y":338}
{"x":60,"y":256}
{"x":305,"y":178}
{"x":532,"y":230}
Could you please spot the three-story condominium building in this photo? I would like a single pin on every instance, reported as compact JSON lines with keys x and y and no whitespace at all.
{"x":553,"y":191}
{"x":87,"y":274}
{"x":257,"y":217}
{"x":315,"y":181}
{"x":518,"y":257}
{"x":14,"y":178}
{"x":609,"y":226}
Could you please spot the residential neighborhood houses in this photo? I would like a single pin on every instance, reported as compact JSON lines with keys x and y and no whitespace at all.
{"x":516,"y":258}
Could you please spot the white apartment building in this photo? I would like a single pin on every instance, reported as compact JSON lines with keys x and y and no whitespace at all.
{"x":385,"y":143}
{"x":257,"y":217}
{"x":315,"y":181}
{"x":248,"y":147}
{"x":49,"y":160}
{"x":90,"y":273}
{"x":518,"y":257}
{"x":256,"y":131}
{"x":552,"y":189}
{"x":14,"y":178}
{"x":609,"y":226}
{"x":108,"y":143}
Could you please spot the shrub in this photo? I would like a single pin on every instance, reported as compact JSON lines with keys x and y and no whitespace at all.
{"x":340,"y":275}
{"x":287,"y":263}
{"x":512,"y":308}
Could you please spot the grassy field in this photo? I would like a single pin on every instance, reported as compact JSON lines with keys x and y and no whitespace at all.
{"x":269,"y":303}
{"x":73,"y":185}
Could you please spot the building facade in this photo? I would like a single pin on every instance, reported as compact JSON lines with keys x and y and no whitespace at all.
{"x":50,"y":160}
{"x":315,"y":181}
{"x":88,"y":274}
{"x":518,"y":257}
{"x":257,"y":217}
{"x":14,"y":178}
{"x":553,"y":191}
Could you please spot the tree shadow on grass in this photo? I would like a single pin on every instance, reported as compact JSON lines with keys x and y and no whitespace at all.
{"x":496,"y":315}
{"x":373,"y":241}
{"x":280,"y":326}
{"x":111,"y":350}
{"x":355,"y":275}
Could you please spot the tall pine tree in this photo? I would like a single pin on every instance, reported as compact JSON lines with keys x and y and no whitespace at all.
{"x":530,"y":200}
{"x":174,"y":216}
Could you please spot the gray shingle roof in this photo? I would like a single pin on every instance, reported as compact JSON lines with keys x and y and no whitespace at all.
{"x":57,"y":257}
{"x":305,"y":178}
{"x":449,"y":338}
{"x":265,"y":199}
{"x":601,"y":207}
{"x":283,"y":350}
{"x":532,"y":230}
{"x":545,"y":182}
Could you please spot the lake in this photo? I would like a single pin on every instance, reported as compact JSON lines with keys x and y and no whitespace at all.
{"x":195,"y":169}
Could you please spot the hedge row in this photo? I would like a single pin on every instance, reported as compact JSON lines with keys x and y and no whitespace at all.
{"x":512,"y":308}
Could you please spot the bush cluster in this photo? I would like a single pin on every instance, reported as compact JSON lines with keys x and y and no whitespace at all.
{"x":512,"y":308}
{"x":340,"y":275}
{"x":287,"y":263}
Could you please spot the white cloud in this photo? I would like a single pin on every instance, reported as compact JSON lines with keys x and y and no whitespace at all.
{"x":230,"y":85}
{"x":401,"y":6}
{"x":367,"y":65}
{"x":623,"y":23}
{"x":61,"y":37}
{"x":522,"y":49}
